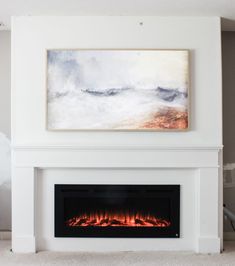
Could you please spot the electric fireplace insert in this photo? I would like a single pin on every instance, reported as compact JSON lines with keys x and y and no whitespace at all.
{"x":117,"y":211}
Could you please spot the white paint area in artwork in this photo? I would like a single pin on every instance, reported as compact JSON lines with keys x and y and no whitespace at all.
{"x":113,"y":88}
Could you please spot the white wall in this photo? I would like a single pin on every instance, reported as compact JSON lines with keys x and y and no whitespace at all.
{"x":31,"y":36}
{"x":5,"y":131}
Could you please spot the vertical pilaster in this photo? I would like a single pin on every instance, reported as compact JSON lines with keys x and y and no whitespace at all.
{"x":208,"y":211}
{"x":23,"y":218}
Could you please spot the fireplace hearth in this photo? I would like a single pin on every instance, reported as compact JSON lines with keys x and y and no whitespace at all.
{"x":117,"y":211}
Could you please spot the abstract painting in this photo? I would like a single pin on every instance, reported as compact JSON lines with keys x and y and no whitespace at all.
{"x":117,"y":89}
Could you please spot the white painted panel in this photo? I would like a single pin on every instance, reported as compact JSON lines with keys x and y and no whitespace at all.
{"x":31,"y":36}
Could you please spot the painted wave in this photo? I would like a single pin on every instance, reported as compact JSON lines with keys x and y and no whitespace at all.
{"x":166,"y":94}
{"x":106,"y":92}
{"x":170,"y":95}
{"x":112,"y":107}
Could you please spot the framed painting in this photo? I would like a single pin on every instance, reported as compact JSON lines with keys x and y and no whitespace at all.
{"x":118,"y":90}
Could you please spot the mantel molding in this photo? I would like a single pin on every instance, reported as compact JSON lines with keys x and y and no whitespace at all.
{"x":77,"y":147}
{"x":45,"y":156}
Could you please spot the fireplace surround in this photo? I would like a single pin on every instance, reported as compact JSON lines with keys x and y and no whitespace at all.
{"x":117,"y":210}
{"x":36,"y":171}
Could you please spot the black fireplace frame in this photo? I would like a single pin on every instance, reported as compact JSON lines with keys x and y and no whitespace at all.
{"x":64,"y":190}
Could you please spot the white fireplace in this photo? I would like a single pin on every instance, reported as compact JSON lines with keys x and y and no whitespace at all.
{"x":37,"y":169}
{"x":41,"y":158}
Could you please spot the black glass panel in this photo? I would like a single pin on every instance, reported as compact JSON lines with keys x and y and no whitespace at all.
{"x":117,"y":210}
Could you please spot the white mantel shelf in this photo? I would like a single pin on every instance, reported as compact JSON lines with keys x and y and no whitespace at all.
{"x":109,"y":157}
{"x":74,"y":146}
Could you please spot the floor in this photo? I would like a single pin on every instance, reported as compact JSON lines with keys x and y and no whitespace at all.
{"x":166,"y":258}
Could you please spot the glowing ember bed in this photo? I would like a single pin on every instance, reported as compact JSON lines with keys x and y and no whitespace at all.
{"x":117,"y":210}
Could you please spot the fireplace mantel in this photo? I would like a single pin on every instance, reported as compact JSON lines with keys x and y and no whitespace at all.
{"x":204,"y":161}
{"x":120,"y":156}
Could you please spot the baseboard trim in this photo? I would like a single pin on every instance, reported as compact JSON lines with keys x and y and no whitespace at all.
{"x":5,"y":235}
{"x":229,"y":236}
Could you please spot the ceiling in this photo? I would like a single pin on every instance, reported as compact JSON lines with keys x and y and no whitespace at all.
{"x":222,"y":8}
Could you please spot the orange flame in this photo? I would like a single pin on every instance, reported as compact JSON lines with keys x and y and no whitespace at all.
{"x":106,"y":219}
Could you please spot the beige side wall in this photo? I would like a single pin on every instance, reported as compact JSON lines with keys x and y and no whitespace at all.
{"x":228,"y":43}
{"x":228,"y":51}
{"x":5,"y":87}
{"x":5,"y":130}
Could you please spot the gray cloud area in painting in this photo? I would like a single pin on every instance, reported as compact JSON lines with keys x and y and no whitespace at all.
{"x":71,"y":70}
{"x":65,"y":68}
